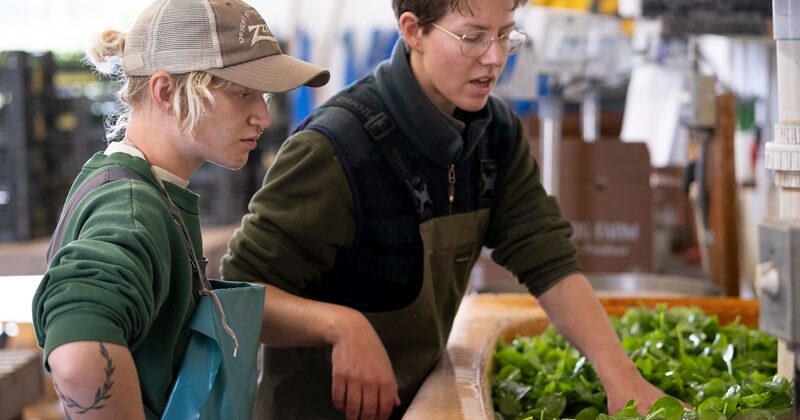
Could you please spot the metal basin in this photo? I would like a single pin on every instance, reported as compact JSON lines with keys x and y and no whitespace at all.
{"x":639,"y":284}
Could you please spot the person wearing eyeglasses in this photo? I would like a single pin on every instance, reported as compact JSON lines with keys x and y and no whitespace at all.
{"x":381,"y":202}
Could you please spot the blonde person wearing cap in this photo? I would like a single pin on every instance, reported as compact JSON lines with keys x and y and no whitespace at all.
{"x":118,"y":311}
{"x":404,"y":176}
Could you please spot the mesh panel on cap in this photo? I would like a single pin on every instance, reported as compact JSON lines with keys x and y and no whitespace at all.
{"x":184,"y":28}
{"x":187,"y":37}
{"x":138,"y":38}
{"x":182,"y":63}
{"x":178,"y":36}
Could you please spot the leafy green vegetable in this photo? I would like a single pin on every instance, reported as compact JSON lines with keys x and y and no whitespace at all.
{"x":724,"y":372}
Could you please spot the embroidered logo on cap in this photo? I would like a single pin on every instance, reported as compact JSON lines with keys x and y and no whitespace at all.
{"x":257,"y":37}
{"x":257,"y":29}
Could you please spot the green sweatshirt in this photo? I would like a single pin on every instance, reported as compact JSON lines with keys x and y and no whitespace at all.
{"x":123,"y":276}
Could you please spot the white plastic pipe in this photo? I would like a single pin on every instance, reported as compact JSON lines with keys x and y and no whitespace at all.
{"x":550,"y":114}
{"x":786,"y":21}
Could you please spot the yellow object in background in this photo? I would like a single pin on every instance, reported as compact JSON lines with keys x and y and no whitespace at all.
{"x":628,"y":26}
{"x":606,"y":7}
{"x":564,"y":4}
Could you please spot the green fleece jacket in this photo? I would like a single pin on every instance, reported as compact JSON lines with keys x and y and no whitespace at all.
{"x":122,"y":275}
{"x":304,"y":216}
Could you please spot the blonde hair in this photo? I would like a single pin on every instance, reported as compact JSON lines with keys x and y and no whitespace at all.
{"x":191,"y":97}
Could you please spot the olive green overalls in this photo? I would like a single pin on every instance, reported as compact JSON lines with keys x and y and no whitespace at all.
{"x":299,"y":381}
{"x":414,"y":337}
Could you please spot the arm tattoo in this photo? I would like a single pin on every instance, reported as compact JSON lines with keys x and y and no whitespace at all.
{"x":102,"y":394}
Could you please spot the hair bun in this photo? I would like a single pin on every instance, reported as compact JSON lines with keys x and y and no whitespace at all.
{"x":107,"y":49}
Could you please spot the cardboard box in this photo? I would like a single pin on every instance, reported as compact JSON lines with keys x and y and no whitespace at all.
{"x":605,"y":194}
{"x":673,"y":226}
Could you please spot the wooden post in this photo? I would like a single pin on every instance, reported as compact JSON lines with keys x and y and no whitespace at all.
{"x":722,"y":200}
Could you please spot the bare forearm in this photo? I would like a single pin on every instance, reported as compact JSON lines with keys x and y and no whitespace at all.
{"x":293,"y":321}
{"x":575,"y":311}
{"x":363,"y":381}
{"x":96,"y":380}
{"x":578,"y":315}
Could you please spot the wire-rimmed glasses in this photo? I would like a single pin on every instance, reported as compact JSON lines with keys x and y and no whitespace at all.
{"x":476,"y":43}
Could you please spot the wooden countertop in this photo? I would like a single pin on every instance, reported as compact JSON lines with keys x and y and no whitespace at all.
{"x":459,"y":387}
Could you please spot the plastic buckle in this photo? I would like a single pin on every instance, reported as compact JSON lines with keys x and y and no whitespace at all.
{"x":379,"y":126}
{"x":488,"y":177}
{"x":422,"y":198}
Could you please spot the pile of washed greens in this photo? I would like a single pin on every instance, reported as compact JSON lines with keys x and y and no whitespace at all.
{"x":723,"y":372}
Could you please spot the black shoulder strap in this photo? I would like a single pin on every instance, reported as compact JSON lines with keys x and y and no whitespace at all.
{"x":380,"y":126}
{"x":488,"y":175}
{"x":103,"y":177}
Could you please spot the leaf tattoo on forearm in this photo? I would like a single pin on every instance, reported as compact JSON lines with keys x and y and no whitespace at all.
{"x":103,"y":393}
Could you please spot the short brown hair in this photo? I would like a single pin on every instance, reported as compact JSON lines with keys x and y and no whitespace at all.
{"x":430,"y":11}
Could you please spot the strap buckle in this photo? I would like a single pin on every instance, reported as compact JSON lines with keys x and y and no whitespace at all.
{"x":488,"y":177}
{"x":422,"y":199}
{"x":379,"y":126}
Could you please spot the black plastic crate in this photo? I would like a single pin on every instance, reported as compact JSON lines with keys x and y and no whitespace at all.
{"x":707,"y":8}
{"x":24,"y":200}
{"x":27,"y":105}
{"x":15,"y":206}
{"x":223,"y":194}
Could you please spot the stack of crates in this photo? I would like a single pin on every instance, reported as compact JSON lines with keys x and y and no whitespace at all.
{"x":26,"y":115}
{"x":707,"y":8}
{"x":78,"y":132}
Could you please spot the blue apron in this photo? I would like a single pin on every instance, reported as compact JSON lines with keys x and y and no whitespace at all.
{"x":217,"y":378}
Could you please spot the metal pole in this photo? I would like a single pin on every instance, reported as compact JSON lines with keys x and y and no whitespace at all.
{"x":590,"y":113}
{"x":781,"y":154}
{"x":551,"y":109}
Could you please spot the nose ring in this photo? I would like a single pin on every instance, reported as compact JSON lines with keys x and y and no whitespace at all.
{"x":260,"y":130}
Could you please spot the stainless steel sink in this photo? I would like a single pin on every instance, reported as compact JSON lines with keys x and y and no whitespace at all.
{"x":639,"y":284}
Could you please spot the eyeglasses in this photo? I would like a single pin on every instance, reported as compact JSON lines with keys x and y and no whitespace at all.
{"x":476,"y":43}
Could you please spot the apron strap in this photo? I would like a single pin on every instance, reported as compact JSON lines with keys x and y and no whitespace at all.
{"x":380,"y":128}
{"x":200,"y":283}
{"x":109,"y":175}
{"x":101,"y":178}
{"x":488,"y":175}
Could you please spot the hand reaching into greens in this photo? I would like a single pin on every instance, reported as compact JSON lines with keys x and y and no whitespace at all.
{"x":723,"y":371}
{"x":575,"y":312}
{"x":631,"y":387}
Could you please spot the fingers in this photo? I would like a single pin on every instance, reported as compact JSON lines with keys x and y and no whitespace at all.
{"x":370,"y":397}
{"x":338,"y":392}
{"x":388,"y":399}
{"x":364,"y":403}
{"x":353,"y":405}
{"x":364,"y":385}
